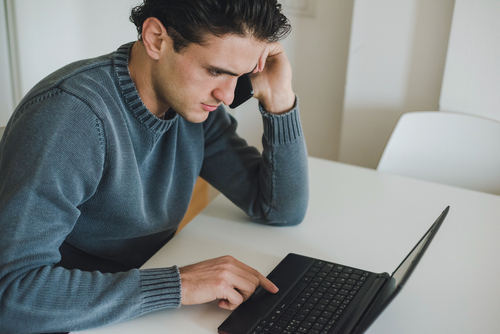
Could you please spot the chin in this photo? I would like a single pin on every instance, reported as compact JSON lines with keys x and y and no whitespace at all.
{"x":195,"y":117}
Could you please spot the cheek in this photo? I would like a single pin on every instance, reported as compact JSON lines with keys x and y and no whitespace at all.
{"x":193,"y":83}
{"x":187,"y":82}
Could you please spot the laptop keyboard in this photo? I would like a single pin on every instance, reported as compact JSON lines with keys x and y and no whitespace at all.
{"x":315,"y":304}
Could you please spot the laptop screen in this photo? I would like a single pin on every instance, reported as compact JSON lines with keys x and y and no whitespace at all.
{"x":400,"y":275}
{"x":404,"y":270}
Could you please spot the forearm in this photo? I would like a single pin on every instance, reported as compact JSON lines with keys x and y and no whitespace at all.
{"x":53,"y":299}
{"x":271,"y":188}
{"x":284,"y":169}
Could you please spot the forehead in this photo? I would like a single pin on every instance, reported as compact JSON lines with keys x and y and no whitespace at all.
{"x":231,"y":52}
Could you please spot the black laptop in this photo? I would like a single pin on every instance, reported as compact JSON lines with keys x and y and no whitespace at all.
{"x":320,"y":297}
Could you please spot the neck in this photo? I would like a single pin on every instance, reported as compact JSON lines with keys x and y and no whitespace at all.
{"x":141,"y":71}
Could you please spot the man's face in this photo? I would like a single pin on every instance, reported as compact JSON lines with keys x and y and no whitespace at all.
{"x":199,"y":78}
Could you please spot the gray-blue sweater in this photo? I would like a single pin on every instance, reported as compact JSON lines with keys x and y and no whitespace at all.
{"x":92,"y":185}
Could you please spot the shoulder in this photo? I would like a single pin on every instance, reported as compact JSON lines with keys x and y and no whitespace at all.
{"x":75,"y":74}
{"x":76,"y":92}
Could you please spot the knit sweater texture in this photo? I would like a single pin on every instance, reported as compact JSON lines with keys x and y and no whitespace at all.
{"x":92,"y":184}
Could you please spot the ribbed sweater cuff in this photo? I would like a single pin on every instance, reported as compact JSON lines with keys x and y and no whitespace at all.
{"x":282,"y":128}
{"x":160,"y":288}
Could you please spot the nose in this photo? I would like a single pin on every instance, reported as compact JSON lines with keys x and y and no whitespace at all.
{"x":225,"y":90}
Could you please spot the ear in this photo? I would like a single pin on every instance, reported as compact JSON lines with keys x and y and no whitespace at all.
{"x":154,"y":37}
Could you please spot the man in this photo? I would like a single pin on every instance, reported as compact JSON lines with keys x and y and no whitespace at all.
{"x":98,"y":163}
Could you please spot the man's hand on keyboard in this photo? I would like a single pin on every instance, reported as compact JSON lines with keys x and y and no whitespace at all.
{"x":225,"y":279}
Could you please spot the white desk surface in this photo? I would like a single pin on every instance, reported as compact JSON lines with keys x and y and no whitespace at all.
{"x":366,"y":219}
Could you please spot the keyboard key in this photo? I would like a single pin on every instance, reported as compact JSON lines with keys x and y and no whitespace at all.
{"x":306,"y":324}
{"x":315,"y":313}
{"x":321,"y":289}
{"x":318,"y":326}
{"x":339,"y":297}
{"x":318,"y":279}
{"x":322,"y":274}
{"x":340,"y":280}
{"x":327,"y":267}
{"x":320,"y":307}
{"x":306,"y":279}
{"x":299,"y":317}
{"x":319,"y":263}
{"x":311,"y":318}
{"x":335,"y":302}
{"x":318,"y":294}
{"x":326,"y":314}
{"x":322,"y":320}
{"x":338,"y":268}
{"x":324,"y":301}
{"x":313,"y":285}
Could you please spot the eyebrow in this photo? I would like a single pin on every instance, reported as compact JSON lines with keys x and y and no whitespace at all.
{"x":221,"y":70}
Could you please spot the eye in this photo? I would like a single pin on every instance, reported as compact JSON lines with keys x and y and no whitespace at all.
{"x":214,"y":73}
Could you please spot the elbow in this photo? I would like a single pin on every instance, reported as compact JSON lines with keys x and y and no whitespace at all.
{"x":290,"y":212}
{"x":286,"y":218}
{"x":288,"y":221}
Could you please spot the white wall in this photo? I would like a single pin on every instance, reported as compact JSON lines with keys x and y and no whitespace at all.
{"x":471,"y":81}
{"x":396,"y":61}
{"x":53,"y":33}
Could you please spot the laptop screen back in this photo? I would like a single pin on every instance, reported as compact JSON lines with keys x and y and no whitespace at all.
{"x":404,"y":270}
{"x":400,"y":275}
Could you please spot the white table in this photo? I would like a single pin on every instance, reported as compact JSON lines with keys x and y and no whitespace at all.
{"x":365,"y":219}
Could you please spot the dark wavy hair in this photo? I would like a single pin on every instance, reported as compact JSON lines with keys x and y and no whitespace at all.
{"x":188,"y":21}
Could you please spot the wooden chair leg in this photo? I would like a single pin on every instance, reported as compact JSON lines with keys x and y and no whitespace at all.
{"x":199,"y":201}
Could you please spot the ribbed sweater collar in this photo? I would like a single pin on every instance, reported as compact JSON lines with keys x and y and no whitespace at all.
{"x":131,"y":95}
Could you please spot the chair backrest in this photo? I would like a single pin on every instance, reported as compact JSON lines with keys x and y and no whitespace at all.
{"x":445,"y":147}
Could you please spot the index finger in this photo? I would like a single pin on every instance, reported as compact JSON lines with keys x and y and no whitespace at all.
{"x":264,"y":282}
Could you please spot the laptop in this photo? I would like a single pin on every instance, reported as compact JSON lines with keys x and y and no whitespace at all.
{"x":321,"y":297}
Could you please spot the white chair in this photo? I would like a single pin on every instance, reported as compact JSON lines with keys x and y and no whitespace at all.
{"x":445,"y":147}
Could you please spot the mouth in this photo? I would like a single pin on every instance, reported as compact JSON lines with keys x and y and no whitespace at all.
{"x":209,"y":107}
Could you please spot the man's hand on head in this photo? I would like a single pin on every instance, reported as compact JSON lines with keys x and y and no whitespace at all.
{"x":272,"y":80}
{"x":224,"y":279}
